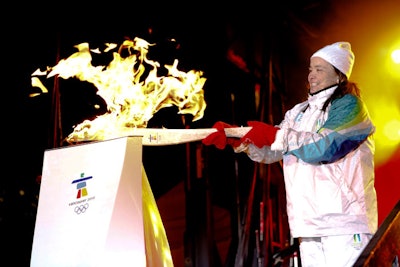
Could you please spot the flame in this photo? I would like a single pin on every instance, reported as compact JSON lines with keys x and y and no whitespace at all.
{"x":37,"y":83}
{"x":131,"y":98}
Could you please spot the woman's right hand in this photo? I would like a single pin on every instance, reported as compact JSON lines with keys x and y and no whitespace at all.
{"x":219,"y":138}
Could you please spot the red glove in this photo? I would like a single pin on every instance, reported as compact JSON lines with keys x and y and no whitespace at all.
{"x":261,"y":134}
{"x":218,"y":138}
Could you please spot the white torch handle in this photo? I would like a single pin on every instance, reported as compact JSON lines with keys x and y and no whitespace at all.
{"x":163,"y":137}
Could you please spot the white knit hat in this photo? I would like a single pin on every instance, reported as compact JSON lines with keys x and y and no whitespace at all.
{"x":339,"y":55}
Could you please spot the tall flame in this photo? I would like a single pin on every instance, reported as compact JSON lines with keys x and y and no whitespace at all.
{"x":131,"y":98}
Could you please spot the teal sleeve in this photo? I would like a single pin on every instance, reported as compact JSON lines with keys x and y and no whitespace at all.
{"x":347,"y":126}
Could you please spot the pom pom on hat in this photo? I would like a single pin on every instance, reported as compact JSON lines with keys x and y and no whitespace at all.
{"x":339,"y":55}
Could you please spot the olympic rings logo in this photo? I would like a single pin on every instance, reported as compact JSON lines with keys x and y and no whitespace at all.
{"x":81,"y":208}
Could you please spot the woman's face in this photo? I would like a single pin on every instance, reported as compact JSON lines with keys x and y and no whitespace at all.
{"x":321,"y":74}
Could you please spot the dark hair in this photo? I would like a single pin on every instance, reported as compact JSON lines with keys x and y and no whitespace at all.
{"x":344,"y":87}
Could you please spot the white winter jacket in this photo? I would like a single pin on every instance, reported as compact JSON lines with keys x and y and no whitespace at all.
{"x":328,"y":165}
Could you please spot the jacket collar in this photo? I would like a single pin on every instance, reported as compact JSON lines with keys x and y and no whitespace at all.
{"x":318,"y":99}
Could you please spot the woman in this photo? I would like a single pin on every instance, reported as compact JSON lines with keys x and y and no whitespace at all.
{"x":327,"y":147}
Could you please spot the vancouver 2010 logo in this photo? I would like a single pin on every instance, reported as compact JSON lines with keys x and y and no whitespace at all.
{"x":81,"y":203}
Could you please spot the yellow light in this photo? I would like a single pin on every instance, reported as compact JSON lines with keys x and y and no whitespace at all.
{"x":392,"y":130}
{"x":396,"y":56}
{"x":393,"y":60}
{"x":386,"y":116}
